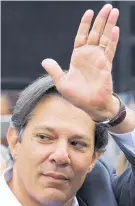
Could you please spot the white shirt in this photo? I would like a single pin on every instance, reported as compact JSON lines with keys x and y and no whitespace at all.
{"x":7,"y":198}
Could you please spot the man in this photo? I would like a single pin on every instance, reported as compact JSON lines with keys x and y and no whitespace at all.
{"x":56,"y":135}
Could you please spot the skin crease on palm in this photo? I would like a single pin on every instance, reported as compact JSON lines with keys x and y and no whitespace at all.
{"x":58,"y":139}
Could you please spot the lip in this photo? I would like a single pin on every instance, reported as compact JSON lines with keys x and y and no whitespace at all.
{"x":57,"y":176}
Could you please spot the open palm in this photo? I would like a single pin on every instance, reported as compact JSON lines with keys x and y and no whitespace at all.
{"x":88,"y":83}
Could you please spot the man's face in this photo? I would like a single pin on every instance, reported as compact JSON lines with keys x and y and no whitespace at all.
{"x":56,"y":151}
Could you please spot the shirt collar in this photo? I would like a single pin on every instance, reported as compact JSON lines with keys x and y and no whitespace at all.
{"x":7,"y":197}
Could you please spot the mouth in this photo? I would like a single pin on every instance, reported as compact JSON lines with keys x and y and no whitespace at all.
{"x":56,"y":176}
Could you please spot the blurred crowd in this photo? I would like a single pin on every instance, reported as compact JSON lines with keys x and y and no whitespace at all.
{"x":8,"y":100}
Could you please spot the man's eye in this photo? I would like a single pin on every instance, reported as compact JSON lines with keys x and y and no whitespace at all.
{"x":42,"y":137}
{"x":78,"y":145}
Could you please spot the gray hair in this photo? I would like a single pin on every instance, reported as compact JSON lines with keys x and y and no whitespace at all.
{"x":32,"y":96}
{"x":28,"y":100}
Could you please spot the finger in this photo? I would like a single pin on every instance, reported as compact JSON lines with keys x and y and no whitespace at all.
{"x":112,"y":45}
{"x":111,"y":22}
{"x":83,"y":30}
{"x":99,"y":25}
{"x":52,"y":67}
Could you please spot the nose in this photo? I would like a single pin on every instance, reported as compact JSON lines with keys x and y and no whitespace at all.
{"x":60,"y":155}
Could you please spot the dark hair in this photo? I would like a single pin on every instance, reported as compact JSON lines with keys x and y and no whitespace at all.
{"x":32,"y":95}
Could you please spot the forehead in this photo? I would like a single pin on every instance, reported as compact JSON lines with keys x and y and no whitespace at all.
{"x":58,"y":113}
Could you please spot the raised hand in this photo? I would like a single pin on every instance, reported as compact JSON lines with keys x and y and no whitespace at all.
{"x":88,"y":83}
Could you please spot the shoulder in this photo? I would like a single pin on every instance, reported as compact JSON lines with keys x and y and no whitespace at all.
{"x":97,"y":185}
{"x":100,"y":176}
{"x":102,"y":171}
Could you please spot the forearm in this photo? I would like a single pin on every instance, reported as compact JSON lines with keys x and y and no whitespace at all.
{"x":124,"y":186}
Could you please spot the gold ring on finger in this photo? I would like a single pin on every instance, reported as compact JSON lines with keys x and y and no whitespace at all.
{"x":102,"y":46}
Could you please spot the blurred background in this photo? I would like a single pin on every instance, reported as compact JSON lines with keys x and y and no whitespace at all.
{"x":34,"y":30}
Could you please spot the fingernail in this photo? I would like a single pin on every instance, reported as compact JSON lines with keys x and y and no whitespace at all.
{"x":108,"y":6}
{"x":48,"y":61}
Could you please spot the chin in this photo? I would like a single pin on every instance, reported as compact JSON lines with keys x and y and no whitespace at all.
{"x":54,"y":197}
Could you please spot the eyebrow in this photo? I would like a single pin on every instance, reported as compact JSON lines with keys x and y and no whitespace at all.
{"x":52,"y":130}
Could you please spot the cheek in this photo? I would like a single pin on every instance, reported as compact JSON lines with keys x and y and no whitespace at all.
{"x":34,"y":155}
{"x":80,"y":166}
{"x":33,"y":152}
{"x":28,"y":164}
{"x":27,"y":159}
{"x":81,"y":163}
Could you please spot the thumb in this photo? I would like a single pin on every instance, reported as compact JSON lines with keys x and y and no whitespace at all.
{"x":53,"y":68}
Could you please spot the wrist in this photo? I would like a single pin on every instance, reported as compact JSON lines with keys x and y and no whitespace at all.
{"x":118,"y":118}
{"x":108,"y":113}
{"x":114,"y":108}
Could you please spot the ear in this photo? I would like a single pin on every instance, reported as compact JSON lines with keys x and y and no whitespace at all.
{"x":14,"y":144}
{"x":94,"y":159}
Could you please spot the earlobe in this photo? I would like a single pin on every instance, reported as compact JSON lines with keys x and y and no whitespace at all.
{"x":91,"y":167}
{"x":98,"y":155}
{"x":14,"y":144}
{"x":94,"y":159}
